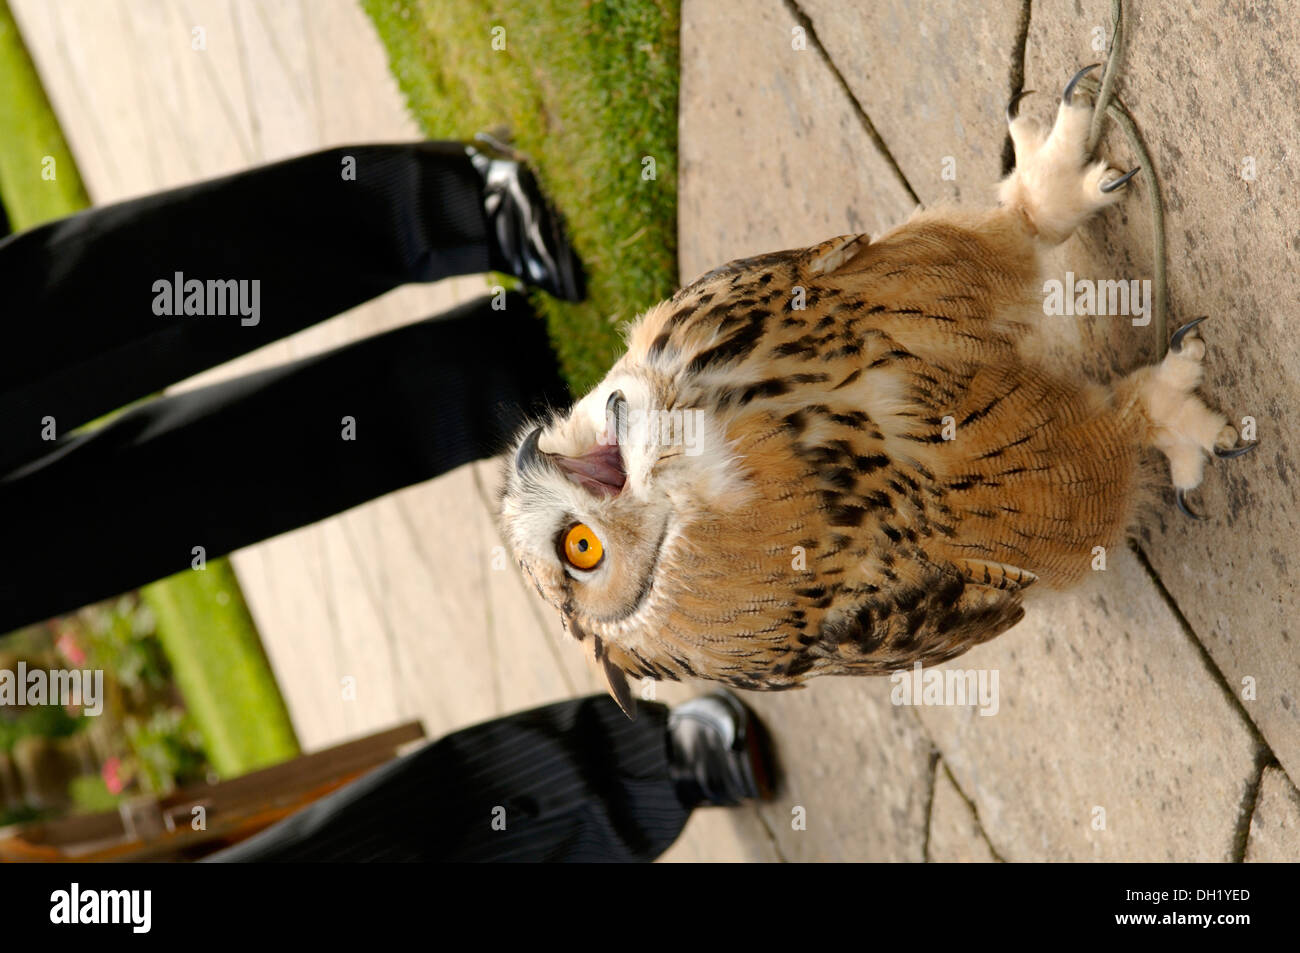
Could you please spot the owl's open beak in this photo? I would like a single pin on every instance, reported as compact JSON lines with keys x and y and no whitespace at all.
{"x":599,"y":471}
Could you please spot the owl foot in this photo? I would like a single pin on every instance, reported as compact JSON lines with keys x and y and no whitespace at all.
{"x":1186,"y":430}
{"x":1055,"y":186}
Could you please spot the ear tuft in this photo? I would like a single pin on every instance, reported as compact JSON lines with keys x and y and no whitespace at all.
{"x":832,"y":254}
{"x":616,"y":682}
{"x":613,"y":676}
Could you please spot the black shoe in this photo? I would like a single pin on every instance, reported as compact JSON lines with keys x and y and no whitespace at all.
{"x":717,"y":751}
{"x":527,"y":234}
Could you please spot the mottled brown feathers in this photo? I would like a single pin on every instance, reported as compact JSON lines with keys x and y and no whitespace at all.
{"x":880,"y":472}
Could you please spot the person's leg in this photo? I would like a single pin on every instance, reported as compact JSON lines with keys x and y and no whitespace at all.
{"x":574,"y":781}
{"x":228,"y":465}
{"x":101,"y":305}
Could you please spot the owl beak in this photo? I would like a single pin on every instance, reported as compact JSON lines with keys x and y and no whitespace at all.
{"x":599,"y":470}
{"x":529,"y":457}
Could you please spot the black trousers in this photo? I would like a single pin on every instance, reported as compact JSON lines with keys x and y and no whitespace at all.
{"x":88,"y":516}
{"x":575,"y":781}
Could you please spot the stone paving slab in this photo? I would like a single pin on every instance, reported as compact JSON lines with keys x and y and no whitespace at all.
{"x":955,"y":834}
{"x":1113,"y":740}
{"x":855,"y":775}
{"x":1213,"y":91}
{"x":858,"y":773}
{"x":932,"y":77}
{"x":1275,"y":826}
{"x":772,"y":155}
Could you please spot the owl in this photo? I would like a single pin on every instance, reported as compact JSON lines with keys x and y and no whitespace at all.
{"x":843,"y":459}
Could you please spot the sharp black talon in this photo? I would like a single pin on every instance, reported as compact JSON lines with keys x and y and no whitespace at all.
{"x":1181,"y":497}
{"x":1122,"y":181}
{"x":1233,"y":452}
{"x":1176,"y":342}
{"x":1069,"y":87}
{"x":1013,"y":107}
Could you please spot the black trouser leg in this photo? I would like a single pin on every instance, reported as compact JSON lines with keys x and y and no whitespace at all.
{"x":575,"y":781}
{"x":78,"y":296}
{"x":228,"y":465}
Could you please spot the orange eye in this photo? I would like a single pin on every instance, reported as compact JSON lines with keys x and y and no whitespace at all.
{"x":582,"y":547}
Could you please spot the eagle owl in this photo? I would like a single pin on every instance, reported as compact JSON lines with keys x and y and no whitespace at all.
{"x":842,"y":459}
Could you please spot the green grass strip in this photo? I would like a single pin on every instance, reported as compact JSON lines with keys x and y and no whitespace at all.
{"x":210,"y":639}
{"x":30,"y":138}
{"x":589,"y":90}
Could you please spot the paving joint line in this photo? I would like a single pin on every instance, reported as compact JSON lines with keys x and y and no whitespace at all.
{"x":1249,"y":804}
{"x":933,"y":784}
{"x":1017,"y":78}
{"x":806,"y":22}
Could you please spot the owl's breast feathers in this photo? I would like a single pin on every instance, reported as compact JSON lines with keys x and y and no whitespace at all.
{"x":842,"y":373}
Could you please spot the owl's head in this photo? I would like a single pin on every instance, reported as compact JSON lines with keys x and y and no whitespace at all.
{"x":598,"y":503}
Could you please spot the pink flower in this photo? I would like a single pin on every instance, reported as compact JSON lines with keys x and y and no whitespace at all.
{"x":111,"y":773}
{"x":70,"y":648}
